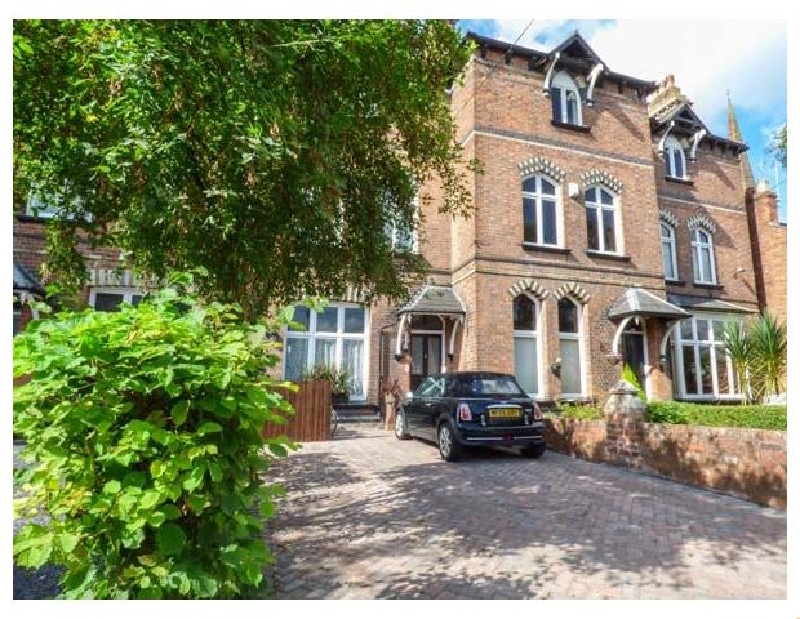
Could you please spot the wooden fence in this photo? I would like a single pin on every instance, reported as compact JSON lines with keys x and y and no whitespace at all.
{"x":312,"y":413}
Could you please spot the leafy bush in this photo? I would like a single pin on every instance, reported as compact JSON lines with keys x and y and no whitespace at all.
{"x":763,"y":417}
{"x":143,"y":431}
{"x":630,"y":376}
{"x":576,"y":411}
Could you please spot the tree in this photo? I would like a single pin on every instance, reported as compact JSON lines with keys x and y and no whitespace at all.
{"x":777,"y":145}
{"x":739,"y":347}
{"x":769,"y":351}
{"x":272,"y":153}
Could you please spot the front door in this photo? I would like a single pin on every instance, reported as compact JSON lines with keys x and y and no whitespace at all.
{"x":633,"y":352}
{"x":426,"y":357}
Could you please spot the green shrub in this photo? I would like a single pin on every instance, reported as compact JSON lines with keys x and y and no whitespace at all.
{"x":763,"y":417}
{"x":576,"y":411}
{"x":630,"y":376}
{"x":143,"y":432}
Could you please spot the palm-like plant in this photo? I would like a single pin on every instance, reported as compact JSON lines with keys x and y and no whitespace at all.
{"x":739,"y":346}
{"x":768,"y":341}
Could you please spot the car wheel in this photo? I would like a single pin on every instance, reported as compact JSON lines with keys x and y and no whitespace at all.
{"x":534,"y":451}
{"x":448,"y":448}
{"x":400,"y":426}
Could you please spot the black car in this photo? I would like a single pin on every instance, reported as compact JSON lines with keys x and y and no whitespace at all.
{"x":461,"y":409}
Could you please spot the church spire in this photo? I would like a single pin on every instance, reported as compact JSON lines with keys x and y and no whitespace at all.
{"x":735,"y":134}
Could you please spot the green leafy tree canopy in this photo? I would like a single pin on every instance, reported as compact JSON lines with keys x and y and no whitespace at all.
{"x":272,"y":153}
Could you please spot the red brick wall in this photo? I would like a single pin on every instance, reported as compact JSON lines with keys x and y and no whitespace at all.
{"x":768,"y":242}
{"x":742,"y":462}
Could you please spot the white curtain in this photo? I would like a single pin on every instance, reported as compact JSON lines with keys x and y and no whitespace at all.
{"x":353,"y":364}
{"x":570,"y":366}
{"x":526,"y":367}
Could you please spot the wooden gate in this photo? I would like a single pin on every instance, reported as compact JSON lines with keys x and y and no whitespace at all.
{"x":312,"y":413}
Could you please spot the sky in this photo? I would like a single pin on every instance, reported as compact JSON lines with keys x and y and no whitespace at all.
{"x":708,"y":58}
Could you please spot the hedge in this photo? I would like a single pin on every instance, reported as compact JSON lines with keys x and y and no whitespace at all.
{"x":723,"y":416}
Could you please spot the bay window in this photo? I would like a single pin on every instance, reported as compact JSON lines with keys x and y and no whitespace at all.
{"x":334,"y":337}
{"x":705,"y":369}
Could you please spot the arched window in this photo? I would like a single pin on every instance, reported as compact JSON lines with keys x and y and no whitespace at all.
{"x":668,"y":253}
{"x":526,"y":344}
{"x":569,"y":335}
{"x":703,"y":257}
{"x":540,"y":211}
{"x":674,"y":158}
{"x":566,"y":100}
{"x":603,"y":226}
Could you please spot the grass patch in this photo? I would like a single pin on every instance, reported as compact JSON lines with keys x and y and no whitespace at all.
{"x":716,"y":416}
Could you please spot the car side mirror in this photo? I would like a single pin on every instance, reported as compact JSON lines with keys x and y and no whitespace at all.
{"x":409,"y":395}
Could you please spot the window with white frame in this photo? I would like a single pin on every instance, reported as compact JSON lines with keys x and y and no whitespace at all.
{"x":705,"y":371}
{"x":540,"y":211}
{"x":703,"y":257}
{"x":668,"y":251}
{"x":603,"y":225}
{"x":402,"y":235}
{"x":109,"y":299}
{"x":50,"y":205}
{"x":674,"y":158}
{"x":566,"y":100}
{"x":526,"y":343}
{"x":38,"y":206}
{"x":569,"y":335}
{"x":334,"y":337}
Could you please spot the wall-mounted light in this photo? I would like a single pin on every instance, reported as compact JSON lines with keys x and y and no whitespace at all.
{"x":555,"y":368}
{"x":573,"y":190}
{"x":737,"y":272}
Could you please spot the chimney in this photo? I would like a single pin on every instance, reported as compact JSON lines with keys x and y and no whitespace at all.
{"x":667,"y":94}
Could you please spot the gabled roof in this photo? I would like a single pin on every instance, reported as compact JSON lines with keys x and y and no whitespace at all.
{"x":576,"y":47}
{"x":584,"y":57}
{"x":684,"y":116}
{"x":431,"y":299}
{"x":25,"y":280}
{"x":670,"y":104}
{"x":638,"y":302}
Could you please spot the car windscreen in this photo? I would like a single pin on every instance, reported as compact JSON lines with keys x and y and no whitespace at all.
{"x":479,"y":386}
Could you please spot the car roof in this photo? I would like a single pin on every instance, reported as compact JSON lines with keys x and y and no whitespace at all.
{"x":473,"y":373}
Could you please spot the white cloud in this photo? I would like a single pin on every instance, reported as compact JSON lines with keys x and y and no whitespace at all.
{"x":707,"y":57}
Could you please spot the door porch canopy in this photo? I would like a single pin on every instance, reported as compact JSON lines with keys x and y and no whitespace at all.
{"x":430,"y":300}
{"x":639,"y":303}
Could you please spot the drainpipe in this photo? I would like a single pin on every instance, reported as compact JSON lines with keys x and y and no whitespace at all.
{"x":596,"y":70}
{"x":381,"y":331}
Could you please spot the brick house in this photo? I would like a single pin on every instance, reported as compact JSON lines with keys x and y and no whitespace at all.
{"x":610,"y":227}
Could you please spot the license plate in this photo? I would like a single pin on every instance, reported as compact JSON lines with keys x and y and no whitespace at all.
{"x":503,"y":413}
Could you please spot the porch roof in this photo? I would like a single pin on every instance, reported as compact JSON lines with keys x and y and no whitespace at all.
{"x":705,"y":304}
{"x":639,"y":302}
{"x":432,"y":299}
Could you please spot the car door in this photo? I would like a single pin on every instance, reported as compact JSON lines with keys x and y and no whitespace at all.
{"x":430,"y":406}
{"x":414,"y":408}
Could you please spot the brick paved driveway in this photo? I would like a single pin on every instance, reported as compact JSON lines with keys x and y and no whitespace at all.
{"x":367,"y":516}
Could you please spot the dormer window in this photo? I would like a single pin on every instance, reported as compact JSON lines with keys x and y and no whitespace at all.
{"x":566,"y":100}
{"x":674,"y":159}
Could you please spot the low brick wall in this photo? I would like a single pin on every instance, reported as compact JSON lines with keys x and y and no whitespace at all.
{"x":743,"y":462}
{"x":584,"y":438}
